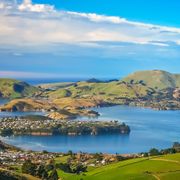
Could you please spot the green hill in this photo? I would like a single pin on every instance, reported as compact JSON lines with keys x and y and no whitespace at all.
{"x":10,"y":88}
{"x":165,"y":167}
{"x":105,"y":91}
{"x":155,"y":79}
{"x":138,"y":84}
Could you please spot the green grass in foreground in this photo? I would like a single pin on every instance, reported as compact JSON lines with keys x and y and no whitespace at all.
{"x":162,"y":167}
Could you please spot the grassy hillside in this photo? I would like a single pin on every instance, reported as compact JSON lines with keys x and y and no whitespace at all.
{"x":11,"y":88}
{"x":78,"y":102}
{"x":154,"y":79}
{"x":165,"y":167}
{"x":26,"y":105}
{"x":105,"y":91}
{"x":138,"y":84}
{"x":55,"y":85}
{"x":177,"y":77}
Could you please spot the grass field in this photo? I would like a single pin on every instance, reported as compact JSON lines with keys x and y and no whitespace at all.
{"x":161,"y":167}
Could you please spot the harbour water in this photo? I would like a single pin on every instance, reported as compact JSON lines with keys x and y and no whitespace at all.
{"x":149,"y":128}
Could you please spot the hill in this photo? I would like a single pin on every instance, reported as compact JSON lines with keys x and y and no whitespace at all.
{"x":94,"y":80}
{"x":54,"y":86}
{"x":26,"y":105}
{"x":105,"y":91}
{"x":136,"y":85}
{"x":166,"y":167}
{"x":10,"y":88}
{"x":155,"y":79}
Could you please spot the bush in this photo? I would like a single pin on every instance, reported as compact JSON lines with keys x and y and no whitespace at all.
{"x":53,"y":175}
{"x":154,"y":152}
{"x":29,"y":168}
{"x":79,"y":168}
{"x":64,"y":167}
{"x":7,"y":132}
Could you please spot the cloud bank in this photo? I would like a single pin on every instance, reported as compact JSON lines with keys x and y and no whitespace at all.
{"x":26,"y":24}
{"x":38,"y":40}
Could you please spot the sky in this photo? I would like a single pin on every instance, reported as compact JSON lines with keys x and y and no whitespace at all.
{"x":88,"y":38}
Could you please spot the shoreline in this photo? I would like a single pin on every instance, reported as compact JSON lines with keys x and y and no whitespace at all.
{"x":57,"y":152}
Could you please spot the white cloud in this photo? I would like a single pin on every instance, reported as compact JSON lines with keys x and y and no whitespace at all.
{"x":2,"y":5}
{"x":28,"y":6}
{"x":28,"y":24}
{"x":98,"y":18}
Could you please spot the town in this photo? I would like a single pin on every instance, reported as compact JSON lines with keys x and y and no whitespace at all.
{"x":45,"y":126}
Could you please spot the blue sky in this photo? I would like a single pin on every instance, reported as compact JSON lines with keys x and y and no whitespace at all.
{"x":162,"y":12}
{"x":88,"y":38}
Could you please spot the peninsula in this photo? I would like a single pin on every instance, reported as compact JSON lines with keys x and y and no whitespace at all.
{"x":41,"y":126}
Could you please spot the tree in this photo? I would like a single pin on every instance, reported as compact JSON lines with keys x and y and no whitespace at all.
{"x":41,"y":171}
{"x":120,"y":158}
{"x":98,"y":156}
{"x":154,"y":152}
{"x":29,"y":168}
{"x":176,"y":146}
{"x":64,"y":167}
{"x":70,"y":153}
{"x":6,"y":132}
{"x":50,"y":166}
{"x":44,"y":175}
{"x":79,"y":168}
{"x":53,"y":175}
{"x":146,"y":154}
{"x":131,"y":81}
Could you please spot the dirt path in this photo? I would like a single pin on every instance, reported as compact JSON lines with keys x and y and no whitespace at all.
{"x":155,"y":176}
{"x":166,"y":160}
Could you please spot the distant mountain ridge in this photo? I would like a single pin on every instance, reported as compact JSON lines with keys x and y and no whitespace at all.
{"x":156,"y":79}
{"x":138,"y":84}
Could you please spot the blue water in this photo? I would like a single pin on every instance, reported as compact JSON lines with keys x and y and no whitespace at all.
{"x":149,"y":128}
{"x":3,"y":101}
{"x":37,"y":81}
{"x":18,"y":114}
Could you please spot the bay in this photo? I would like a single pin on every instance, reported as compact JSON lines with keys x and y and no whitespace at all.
{"x":149,"y":129}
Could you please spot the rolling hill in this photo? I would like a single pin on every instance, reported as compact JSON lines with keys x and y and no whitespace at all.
{"x":138,"y":84}
{"x":27,"y":104}
{"x":166,"y":167}
{"x":105,"y":91}
{"x":155,"y":79}
{"x":10,"y":88}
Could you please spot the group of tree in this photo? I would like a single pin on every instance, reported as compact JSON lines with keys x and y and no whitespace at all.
{"x":72,"y":168}
{"x":45,"y":172}
{"x":49,"y":171}
{"x":155,"y":152}
{"x":6,"y":132}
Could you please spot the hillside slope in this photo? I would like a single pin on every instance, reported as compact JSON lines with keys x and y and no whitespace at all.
{"x":26,"y":105}
{"x":136,"y":85}
{"x":105,"y":91}
{"x":10,"y":88}
{"x":165,"y":167}
{"x":155,"y":79}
